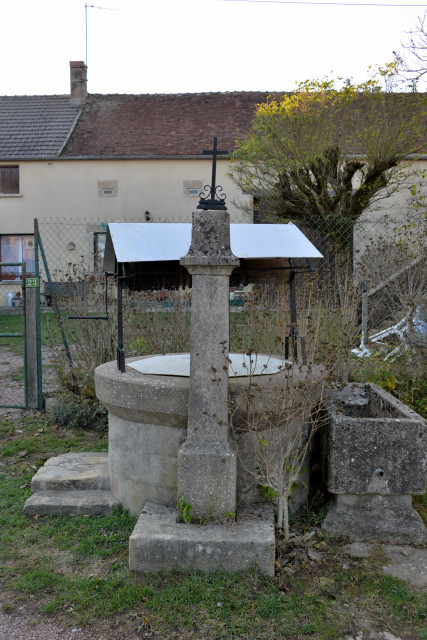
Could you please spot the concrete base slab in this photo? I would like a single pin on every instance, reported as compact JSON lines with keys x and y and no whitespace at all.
{"x":404,"y":562}
{"x":407,"y":564}
{"x":160,"y":542}
{"x":77,"y":471}
{"x":90,"y":502}
{"x":387,"y":519}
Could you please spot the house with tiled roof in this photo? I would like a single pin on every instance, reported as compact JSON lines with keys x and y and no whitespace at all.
{"x":33,"y":132}
{"x":82,"y":160}
{"x":99,"y":158}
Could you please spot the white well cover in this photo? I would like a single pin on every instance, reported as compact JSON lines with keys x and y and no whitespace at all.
{"x":178,"y":364}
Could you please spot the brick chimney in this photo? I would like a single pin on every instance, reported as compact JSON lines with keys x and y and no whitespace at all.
{"x":78,"y":83}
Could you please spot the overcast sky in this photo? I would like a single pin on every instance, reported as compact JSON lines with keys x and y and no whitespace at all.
{"x":179,"y":46}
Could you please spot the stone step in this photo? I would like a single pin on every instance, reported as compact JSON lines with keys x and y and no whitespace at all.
{"x":73,"y":471}
{"x":88,"y":502}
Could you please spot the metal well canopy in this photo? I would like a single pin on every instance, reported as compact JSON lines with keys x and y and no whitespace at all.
{"x":162,"y":242}
{"x":146,"y":257}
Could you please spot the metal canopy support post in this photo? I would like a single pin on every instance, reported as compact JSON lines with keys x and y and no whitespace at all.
{"x":291,"y":341}
{"x":120,"y":347}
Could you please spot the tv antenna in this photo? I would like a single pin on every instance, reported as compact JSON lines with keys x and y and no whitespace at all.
{"x":92,"y":6}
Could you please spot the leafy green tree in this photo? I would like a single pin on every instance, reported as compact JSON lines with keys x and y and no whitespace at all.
{"x":321,"y":155}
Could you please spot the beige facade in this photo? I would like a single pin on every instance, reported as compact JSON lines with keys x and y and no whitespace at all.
{"x":112,"y":190}
{"x":73,"y":199}
{"x":118,"y":189}
{"x":399,"y":218}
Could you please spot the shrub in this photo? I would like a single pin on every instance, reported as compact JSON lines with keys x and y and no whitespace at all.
{"x":79,"y":413}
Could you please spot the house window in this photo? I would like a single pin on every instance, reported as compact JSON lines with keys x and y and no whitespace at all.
{"x":9,"y":180}
{"x":193,"y":192}
{"x":192,"y":188}
{"x":17,"y":249}
{"x":107,"y":188}
{"x":98,"y":250}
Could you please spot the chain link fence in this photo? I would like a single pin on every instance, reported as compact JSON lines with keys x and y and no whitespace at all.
{"x":361,"y":258}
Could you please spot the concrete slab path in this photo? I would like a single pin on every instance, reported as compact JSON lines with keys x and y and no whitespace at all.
{"x":404,"y":562}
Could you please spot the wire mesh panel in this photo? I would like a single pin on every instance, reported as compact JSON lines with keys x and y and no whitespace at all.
{"x":13,"y":391}
{"x":156,"y":306}
{"x":156,"y":319}
{"x":391,"y":267}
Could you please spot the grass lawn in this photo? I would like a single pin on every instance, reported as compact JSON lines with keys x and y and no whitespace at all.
{"x":75,"y":569}
{"x":14,"y":323}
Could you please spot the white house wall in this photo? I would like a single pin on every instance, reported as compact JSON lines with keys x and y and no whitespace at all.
{"x":394,"y":219}
{"x":68,"y":197}
{"x":69,"y":189}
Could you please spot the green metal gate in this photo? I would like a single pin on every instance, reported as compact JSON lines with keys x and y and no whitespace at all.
{"x":20,"y":386}
{"x":13,"y":317}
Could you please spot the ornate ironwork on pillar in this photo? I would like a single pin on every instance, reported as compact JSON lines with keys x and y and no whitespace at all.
{"x":212,"y":196}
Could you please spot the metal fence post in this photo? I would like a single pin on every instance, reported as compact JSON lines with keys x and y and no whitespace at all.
{"x":32,"y":343}
{"x":364,"y":340}
{"x":38,"y":322}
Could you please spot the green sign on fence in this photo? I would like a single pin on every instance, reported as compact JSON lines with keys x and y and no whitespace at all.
{"x":32,"y":282}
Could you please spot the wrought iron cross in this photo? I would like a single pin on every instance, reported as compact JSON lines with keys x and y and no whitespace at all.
{"x":214,"y":198}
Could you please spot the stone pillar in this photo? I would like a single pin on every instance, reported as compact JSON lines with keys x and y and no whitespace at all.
{"x":207,"y":464}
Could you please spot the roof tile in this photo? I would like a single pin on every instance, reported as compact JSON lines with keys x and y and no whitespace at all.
{"x":161,"y":124}
{"x":35,"y":126}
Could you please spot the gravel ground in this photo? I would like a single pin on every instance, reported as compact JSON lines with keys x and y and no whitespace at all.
{"x":19,"y":626}
{"x":23,"y":624}
{"x":11,"y":365}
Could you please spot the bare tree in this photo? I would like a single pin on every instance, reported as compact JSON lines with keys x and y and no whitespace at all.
{"x":279,"y":428}
{"x":413,"y":63}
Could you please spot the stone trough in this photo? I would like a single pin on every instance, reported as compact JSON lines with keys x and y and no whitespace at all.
{"x":374,"y":461}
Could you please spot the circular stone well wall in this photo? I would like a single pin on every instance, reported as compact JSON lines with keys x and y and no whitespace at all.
{"x":148,"y":424}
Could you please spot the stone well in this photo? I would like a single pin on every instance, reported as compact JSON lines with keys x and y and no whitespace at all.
{"x":148,"y":424}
